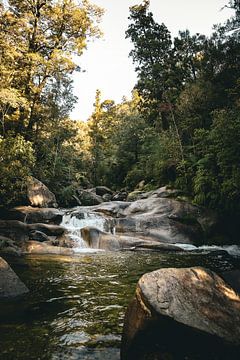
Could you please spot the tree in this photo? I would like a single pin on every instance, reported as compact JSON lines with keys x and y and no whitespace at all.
{"x":43,"y":35}
{"x":153,"y":56}
{"x":17,"y":159}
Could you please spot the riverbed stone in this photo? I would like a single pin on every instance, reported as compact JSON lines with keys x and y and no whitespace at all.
{"x":193,"y":306}
{"x":40,"y":248}
{"x":10,"y":284}
{"x":98,"y":239}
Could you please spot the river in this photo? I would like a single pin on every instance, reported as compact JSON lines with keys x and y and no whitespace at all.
{"x":76,"y":304}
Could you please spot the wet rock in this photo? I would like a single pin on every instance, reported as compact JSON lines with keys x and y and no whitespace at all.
{"x":193,"y":306}
{"x":35,"y":247}
{"x":112,"y":208}
{"x":97,"y":239}
{"x":159,"y":218}
{"x":19,"y":231}
{"x":10,"y":284}
{"x":50,"y":230}
{"x":166,"y":219}
{"x":39,"y":195}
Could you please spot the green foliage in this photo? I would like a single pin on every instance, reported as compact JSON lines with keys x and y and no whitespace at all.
{"x":16,"y":161}
{"x":217,"y":180}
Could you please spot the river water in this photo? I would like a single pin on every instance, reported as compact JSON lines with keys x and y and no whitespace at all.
{"x":76,"y":304}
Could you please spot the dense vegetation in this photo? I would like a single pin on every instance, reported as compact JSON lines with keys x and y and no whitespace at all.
{"x":181,"y":127}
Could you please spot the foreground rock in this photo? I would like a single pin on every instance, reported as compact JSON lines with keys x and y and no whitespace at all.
{"x":97,"y":239}
{"x":39,"y":195}
{"x":232,"y":277}
{"x":182,"y":313}
{"x":10,"y":284}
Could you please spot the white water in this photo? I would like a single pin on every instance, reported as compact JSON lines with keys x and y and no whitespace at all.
{"x":233,"y":250}
{"x":74,"y":226}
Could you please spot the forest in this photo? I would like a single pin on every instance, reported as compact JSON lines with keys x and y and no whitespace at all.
{"x":181,"y":128}
{"x":151,"y":268}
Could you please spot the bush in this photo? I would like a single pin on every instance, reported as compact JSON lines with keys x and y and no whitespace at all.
{"x":16,"y":161}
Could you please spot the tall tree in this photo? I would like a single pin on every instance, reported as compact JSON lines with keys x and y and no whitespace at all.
{"x":153,"y":57}
{"x":43,"y":35}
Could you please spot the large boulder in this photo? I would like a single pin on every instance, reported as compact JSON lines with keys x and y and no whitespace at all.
{"x":158,"y":218}
{"x":97,"y":239}
{"x":182,"y":313}
{"x":39,"y":215}
{"x":10,"y":284}
{"x":39,"y":195}
{"x":30,"y":215}
{"x":232,"y":277}
{"x":167,"y":220}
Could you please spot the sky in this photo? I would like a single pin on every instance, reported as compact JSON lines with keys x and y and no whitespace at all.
{"x":106,"y":63}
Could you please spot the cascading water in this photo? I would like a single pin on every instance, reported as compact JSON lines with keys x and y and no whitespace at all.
{"x":233,"y":250}
{"x":75,"y":221}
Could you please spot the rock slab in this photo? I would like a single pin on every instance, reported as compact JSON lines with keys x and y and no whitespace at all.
{"x":192,"y":300}
{"x":10,"y":284}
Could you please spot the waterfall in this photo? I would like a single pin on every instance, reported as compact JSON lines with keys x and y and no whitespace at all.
{"x":74,"y":221}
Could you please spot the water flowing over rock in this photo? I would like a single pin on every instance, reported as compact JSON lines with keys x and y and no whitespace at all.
{"x":97,"y":239}
{"x":193,"y":306}
{"x":10,"y":284}
{"x":159,"y":219}
{"x":39,"y":195}
{"x":75,"y":221}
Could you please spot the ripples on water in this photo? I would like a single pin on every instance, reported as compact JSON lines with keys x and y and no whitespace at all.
{"x":76,"y":305}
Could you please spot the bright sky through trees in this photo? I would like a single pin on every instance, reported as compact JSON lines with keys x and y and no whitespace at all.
{"x":106,"y":62}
